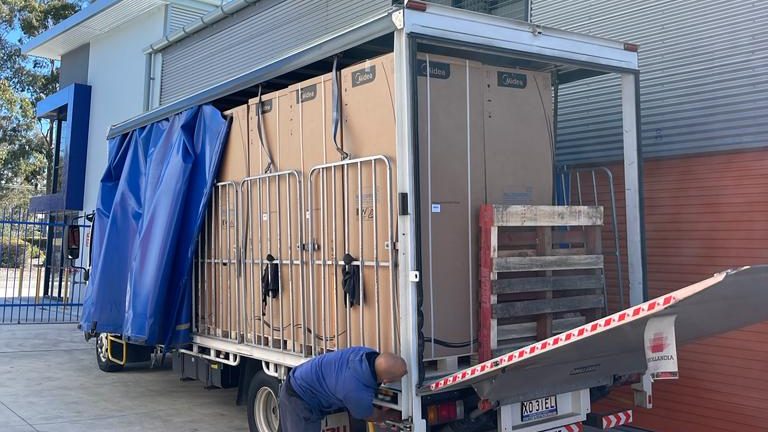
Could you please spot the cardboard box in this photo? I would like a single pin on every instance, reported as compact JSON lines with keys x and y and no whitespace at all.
{"x":369,"y":130}
{"x":234,"y":165}
{"x":519,"y":137}
{"x":452,"y":176}
{"x":259,"y":216}
{"x":272,"y":222}
{"x":222,"y":236}
{"x":311,"y":124}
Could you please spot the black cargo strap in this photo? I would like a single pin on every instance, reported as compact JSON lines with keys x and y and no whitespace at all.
{"x":336,"y":116}
{"x":262,"y":140}
{"x":350,"y":281}
{"x":270,"y":282}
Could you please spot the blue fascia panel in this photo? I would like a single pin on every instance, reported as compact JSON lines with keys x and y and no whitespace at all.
{"x":76,"y":100}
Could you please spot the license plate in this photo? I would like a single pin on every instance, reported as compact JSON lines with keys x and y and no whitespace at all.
{"x":338,"y":422}
{"x":537,"y":409}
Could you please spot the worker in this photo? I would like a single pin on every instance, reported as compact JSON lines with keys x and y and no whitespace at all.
{"x":347,"y":379}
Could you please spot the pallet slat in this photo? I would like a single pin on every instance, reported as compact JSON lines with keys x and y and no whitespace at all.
{"x":511,"y":346}
{"x":509,"y":239}
{"x":546,"y":263}
{"x":544,"y":247}
{"x":528,"y":329}
{"x":547,"y":215}
{"x":553,"y":283}
{"x":536,"y":307}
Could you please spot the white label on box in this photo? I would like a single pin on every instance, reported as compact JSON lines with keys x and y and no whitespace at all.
{"x":435,"y":208}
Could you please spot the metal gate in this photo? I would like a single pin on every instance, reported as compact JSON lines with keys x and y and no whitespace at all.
{"x":331,"y":254}
{"x":42,"y":276}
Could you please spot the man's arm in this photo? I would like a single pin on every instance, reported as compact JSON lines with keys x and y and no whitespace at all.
{"x":360,"y":405}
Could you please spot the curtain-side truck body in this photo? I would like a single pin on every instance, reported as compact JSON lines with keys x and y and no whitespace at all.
{"x":373,"y":206}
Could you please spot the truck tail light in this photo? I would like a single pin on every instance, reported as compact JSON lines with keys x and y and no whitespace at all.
{"x":445,"y":412}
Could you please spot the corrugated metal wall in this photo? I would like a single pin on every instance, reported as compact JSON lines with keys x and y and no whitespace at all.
{"x":703,"y":73}
{"x":705,"y":214}
{"x":180,"y":15}
{"x":516,"y":9}
{"x":254,"y":36}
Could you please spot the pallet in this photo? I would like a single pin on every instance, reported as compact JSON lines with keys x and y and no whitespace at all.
{"x":447,"y":365}
{"x":541,"y":273}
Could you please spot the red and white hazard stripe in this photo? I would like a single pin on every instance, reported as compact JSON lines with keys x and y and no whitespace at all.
{"x":568,"y":337}
{"x":617,"y":419}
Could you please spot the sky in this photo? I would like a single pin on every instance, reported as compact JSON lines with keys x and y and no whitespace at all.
{"x":14,"y":35}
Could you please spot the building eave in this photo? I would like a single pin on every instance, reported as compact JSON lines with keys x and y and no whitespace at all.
{"x":96,"y":19}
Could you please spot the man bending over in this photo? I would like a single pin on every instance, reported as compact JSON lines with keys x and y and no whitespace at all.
{"x":346,"y":379}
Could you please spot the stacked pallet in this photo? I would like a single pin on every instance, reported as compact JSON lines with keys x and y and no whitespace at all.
{"x":541,"y":273}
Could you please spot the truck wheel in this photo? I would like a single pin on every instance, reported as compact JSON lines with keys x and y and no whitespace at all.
{"x":263,"y":413}
{"x":101,"y":355}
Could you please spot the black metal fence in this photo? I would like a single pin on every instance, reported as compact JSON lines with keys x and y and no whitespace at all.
{"x":42,"y":276}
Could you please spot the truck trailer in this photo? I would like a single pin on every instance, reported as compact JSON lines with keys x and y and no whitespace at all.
{"x":394,"y":186}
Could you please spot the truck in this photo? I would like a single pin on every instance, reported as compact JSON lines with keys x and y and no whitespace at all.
{"x":392,"y":186}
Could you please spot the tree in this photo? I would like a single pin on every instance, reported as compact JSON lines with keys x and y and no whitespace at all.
{"x":26,"y":150}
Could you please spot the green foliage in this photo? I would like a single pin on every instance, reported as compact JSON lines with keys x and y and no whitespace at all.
{"x":16,"y":253}
{"x":26,"y":154}
{"x":13,"y":252}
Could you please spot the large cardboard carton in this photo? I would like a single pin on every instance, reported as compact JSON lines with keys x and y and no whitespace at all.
{"x":518,"y":137}
{"x":234,"y":164}
{"x":221,"y":242}
{"x":272,"y":224}
{"x":311,"y":122}
{"x":452,"y":176}
{"x":368,"y":131}
{"x":257,"y":221}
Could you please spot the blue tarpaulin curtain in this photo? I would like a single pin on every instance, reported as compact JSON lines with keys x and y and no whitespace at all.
{"x":151,"y":206}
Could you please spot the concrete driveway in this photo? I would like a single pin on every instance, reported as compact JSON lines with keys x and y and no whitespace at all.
{"x":49,"y":381}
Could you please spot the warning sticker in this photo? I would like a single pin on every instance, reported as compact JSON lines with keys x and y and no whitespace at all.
{"x":661,"y":348}
{"x":364,"y":204}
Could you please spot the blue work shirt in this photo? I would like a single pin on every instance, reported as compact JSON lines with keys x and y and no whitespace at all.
{"x":338,"y":380}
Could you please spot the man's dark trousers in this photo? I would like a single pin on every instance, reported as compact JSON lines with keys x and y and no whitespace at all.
{"x":295,"y":416}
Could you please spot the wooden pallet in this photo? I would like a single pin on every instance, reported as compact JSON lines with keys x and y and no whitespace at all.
{"x":447,"y":365}
{"x":541,"y":273}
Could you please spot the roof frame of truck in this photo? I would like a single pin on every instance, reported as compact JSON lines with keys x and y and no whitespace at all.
{"x":574,"y":56}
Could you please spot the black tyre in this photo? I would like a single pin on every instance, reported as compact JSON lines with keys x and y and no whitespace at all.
{"x":263,"y":412}
{"x":101,"y":355}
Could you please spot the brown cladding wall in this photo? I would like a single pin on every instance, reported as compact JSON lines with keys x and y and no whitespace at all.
{"x":705,"y":214}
